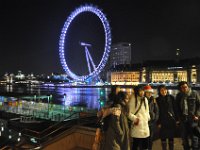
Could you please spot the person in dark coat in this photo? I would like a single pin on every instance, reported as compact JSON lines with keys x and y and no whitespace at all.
{"x":117,"y":135}
{"x":104,"y":113}
{"x":112,"y":96}
{"x":188,"y":110}
{"x":167,"y":118}
{"x":153,"y":111}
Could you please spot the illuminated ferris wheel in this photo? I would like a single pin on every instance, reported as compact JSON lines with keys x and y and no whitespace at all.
{"x":93,"y":71}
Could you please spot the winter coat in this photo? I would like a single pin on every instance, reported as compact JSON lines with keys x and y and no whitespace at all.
{"x":167,"y":118}
{"x":153,"y":111}
{"x":188,"y":107}
{"x":142,"y":129}
{"x":193,"y":104}
{"x":117,"y":135}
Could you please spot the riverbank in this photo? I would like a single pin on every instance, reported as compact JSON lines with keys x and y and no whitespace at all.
{"x":66,"y":85}
{"x":170,"y":86}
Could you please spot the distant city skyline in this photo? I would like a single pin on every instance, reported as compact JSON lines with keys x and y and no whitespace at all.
{"x":30,"y":31}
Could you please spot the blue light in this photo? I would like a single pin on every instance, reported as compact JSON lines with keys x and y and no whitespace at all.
{"x":107,"y":47}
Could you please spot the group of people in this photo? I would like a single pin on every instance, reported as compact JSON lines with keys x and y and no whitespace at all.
{"x":134,"y":118}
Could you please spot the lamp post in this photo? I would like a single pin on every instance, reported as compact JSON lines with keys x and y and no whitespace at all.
{"x":2,"y":128}
{"x":48,"y":103}
{"x":9,"y":134}
{"x":19,"y":137}
{"x":65,"y":95}
{"x":35,"y":97}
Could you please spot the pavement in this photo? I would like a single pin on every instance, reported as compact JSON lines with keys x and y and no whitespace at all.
{"x":177,"y":144}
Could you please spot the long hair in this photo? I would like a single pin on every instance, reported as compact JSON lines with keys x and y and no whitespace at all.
{"x":112,"y":95}
{"x":121,"y":96}
{"x":136,"y":92}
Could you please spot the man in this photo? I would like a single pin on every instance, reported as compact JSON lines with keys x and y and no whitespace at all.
{"x":188,"y":112}
{"x":153,"y":111}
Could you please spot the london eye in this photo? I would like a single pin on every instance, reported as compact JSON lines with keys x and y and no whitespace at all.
{"x":93,"y":69}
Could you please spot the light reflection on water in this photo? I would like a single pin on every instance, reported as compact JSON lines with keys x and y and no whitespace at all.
{"x":74,"y":96}
{"x":62,"y":95}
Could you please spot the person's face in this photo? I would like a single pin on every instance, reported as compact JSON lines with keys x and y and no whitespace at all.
{"x":117,"y":90}
{"x":141,"y":93}
{"x":126,"y":99}
{"x":148,"y":94}
{"x":184,"y":88}
{"x":163,"y":91}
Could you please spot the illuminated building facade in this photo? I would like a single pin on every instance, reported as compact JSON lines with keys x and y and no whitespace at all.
{"x":158,"y":72}
{"x":193,"y":74}
{"x":125,"y":78}
{"x":20,"y":76}
{"x":168,"y":75}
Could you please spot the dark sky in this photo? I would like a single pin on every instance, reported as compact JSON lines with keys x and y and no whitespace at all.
{"x":30,"y":31}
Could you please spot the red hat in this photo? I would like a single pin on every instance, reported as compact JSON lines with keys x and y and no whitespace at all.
{"x":148,"y":88}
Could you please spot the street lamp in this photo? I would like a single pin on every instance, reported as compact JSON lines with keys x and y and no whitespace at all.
{"x":9,"y":135}
{"x":19,"y":137}
{"x":65,"y":95}
{"x":2,"y":127}
{"x":35,"y":97}
{"x":48,"y":103}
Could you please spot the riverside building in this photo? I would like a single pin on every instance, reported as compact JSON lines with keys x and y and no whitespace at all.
{"x":162,"y":71}
{"x":120,"y":54}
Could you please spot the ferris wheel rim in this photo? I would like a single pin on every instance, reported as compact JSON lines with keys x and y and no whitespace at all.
{"x":107,"y":45}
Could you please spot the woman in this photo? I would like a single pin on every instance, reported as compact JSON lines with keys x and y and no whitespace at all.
{"x":104,"y":117}
{"x":154,"y":113}
{"x":104,"y":113}
{"x":166,"y":121}
{"x":117,"y":135}
{"x":139,"y":115}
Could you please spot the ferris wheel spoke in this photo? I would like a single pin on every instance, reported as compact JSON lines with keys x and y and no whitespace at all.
{"x":91,"y":60}
{"x":87,"y":58}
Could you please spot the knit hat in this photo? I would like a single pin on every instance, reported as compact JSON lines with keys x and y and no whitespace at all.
{"x":148,"y":88}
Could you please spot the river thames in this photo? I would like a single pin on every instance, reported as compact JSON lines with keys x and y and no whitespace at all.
{"x":59,"y":97}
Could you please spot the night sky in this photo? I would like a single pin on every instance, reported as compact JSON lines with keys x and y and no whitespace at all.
{"x":30,"y":31}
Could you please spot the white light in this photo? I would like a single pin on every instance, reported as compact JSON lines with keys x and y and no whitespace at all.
{"x":33,"y":140}
{"x":18,"y":139}
{"x":170,"y":91}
